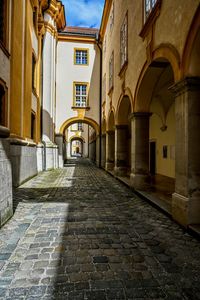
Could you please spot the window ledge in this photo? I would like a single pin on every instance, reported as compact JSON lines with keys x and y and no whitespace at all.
{"x":80,"y":107}
{"x":123,"y":69}
{"x":150,"y":19}
{"x":3,"y":48}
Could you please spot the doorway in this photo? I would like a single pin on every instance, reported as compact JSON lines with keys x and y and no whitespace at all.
{"x":152,"y":157}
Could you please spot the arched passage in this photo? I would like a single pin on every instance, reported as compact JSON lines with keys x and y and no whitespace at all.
{"x":88,"y":131}
{"x":110,"y":142}
{"x":153,"y":144}
{"x":76,"y":146}
{"x":103,"y":144}
{"x":123,"y":137}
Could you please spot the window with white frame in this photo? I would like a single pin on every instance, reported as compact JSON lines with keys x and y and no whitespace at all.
{"x":111,"y":71}
{"x":149,"y":5}
{"x":124,"y":42}
{"x":80,"y":94}
{"x":80,"y":126}
{"x":112,"y":16}
{"x":81,"y":57}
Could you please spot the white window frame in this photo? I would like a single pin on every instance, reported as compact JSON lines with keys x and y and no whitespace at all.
{"x":124,"y":42}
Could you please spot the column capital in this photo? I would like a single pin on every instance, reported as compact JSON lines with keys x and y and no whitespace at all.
{"x":110,"y":132}
{"x":140,"y":115}
{"x":187,"y":84}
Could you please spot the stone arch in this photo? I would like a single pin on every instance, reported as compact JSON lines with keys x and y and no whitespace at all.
{"x":111,"y":120}
{"x":191,"y":54}
{"x":165,"y":53}
{"x":73,"y":120}
{"x":79,"y":138}
{"x":124,"y":105}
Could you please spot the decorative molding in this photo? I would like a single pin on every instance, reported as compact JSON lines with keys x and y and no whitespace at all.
{"x":187,"y":84}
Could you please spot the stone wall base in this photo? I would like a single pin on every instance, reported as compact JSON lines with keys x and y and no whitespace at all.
{"x":6,"y":201}
{"x":24,"y":162}
{"x":139,"y":181}
{"x":184,"y":210}
{"x":50,"y":156}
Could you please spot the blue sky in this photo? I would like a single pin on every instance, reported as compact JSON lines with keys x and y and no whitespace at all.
{"x":84,"y":13}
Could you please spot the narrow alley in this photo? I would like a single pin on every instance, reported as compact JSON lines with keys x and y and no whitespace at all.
{"x":78,"y":233}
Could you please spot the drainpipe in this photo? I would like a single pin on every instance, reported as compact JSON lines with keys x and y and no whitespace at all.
{"x":100,"y":99}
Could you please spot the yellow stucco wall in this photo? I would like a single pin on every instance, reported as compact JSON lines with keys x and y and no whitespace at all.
{"x":16,"y":68}
{"x":164,"y":166}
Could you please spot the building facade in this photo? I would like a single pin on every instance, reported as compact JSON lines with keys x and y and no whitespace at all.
{"x":150,"y":108}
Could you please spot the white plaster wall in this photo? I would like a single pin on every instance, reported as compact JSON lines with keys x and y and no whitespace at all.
{"x":34,"y":103}
{"x":34,"y":42}
{"x":48,"y":86}
{"x":66,"y":74}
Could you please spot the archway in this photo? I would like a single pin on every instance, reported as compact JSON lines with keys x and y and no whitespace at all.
{"x":123,"y":138}
{"x":153,"y":165}
{"x":77,"y":129}
{"x":103,"y":144}
{"x":110,"y":142}
{"x":76,"y":147}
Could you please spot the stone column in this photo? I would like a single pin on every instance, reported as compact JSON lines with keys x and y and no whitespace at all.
{"x":110,"y":150}
{"x":140,"y":150}
{"x":59,"y":142}
{"x":186,"y":199}
{"x":121,"y":150}
{"x":103,"y":150}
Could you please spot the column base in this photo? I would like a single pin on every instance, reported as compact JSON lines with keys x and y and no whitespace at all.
{"x":109,"y":166}
{"x":120,"y":171}
{"x":139,"y":181}
{"x":185,"y":211}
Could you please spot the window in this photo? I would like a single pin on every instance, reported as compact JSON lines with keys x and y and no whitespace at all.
{"x":80,"y":127}
{"x":33,"y":71}
{"x":80,"y":94}
{"x":124,"y":42}
{"x":112,"y":17}
{"x":81,"y":57}
{"x":111,"y":71}
{"x":2,"y":106}
{"x":3,"y":21}
{"x":32,"y":125}
{"x":149,"y":5}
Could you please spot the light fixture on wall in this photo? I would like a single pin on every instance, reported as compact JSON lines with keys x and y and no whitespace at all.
{"x":163,"y":127}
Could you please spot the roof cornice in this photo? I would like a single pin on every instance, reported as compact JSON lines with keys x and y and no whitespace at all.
{"x":104,"y":20}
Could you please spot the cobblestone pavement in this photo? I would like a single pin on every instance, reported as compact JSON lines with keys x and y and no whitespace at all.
{"x":78,"y":233}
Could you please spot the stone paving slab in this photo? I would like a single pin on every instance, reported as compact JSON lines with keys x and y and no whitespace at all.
{"x":78,"y":233}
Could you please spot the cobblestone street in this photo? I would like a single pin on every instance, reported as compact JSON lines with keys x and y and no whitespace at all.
{"x":78,"y":233}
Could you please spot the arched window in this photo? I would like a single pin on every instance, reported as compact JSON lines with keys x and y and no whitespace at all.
{"x":3,"y":22}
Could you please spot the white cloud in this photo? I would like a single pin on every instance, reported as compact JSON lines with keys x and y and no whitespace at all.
{"x":84,"y":13}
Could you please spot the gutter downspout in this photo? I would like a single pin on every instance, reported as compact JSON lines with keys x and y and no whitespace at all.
{"x":100,"y":101}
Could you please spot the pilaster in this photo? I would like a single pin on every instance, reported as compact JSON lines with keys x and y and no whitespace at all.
{"x":186,"y":199}
{"x":140,"y":150}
